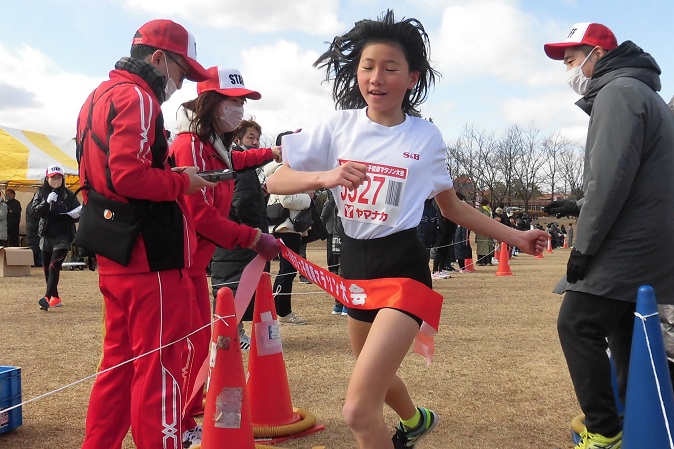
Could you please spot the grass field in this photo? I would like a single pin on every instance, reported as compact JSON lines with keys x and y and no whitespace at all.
{"x":498,"y":380}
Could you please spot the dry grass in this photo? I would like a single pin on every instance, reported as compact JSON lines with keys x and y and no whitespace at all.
{"x":498,"y":381}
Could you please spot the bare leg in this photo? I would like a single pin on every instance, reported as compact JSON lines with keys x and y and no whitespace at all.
{"x":380,"y":348}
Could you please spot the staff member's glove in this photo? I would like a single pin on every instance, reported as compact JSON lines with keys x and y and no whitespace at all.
{"x":52,"y":197}
{"x":267,"y":246}
{"x":577,"y":266}
{"x":564,"y":208}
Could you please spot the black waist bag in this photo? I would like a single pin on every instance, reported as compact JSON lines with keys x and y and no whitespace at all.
{"x":109,"y":228}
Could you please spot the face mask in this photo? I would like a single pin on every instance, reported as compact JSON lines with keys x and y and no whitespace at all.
{"x":230,"y":116}
{"x":171,"y":87}
{"x":577,"y":79}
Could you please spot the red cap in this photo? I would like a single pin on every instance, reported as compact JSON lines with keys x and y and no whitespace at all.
{"x":226,"y":82}
{"x":585,"y":33}
{"x":170,"y":36}
{"x":54,"y":170}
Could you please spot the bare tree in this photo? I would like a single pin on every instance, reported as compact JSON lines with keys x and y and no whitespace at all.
{"x":528,"y":167}
{"x":553,"y":147}
{"x":571,"y":162}
{"x":508,"y":150}
{"x":475,"y":154}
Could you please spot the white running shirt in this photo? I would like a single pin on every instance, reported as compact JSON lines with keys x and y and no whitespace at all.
{"x":406,"y":165}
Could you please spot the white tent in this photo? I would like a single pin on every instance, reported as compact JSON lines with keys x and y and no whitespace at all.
{"x":25,"y":155}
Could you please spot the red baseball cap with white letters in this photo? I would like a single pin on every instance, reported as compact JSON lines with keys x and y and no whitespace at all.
{"x":54,"y":170}
{"x":226,"y":82}
{"x":170,"y":36}
{"x":584,"y":33}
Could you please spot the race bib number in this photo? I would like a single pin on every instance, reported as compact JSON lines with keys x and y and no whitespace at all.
{"x":377,"y":200}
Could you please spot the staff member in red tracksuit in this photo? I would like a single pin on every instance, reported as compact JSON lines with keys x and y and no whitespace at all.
{"x":205,"y":129}
{"x":123,"y":156}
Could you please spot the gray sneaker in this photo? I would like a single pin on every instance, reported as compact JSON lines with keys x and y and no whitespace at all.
{"x":292,"y":318}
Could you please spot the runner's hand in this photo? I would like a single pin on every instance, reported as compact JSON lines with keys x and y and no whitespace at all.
{"x":349,"y":175}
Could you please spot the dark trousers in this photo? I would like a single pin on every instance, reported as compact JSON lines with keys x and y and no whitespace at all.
{"x":283,"y":285}
{"x":585,"y":323}
{"x":51,"y":264}
{"x":13,"y":239}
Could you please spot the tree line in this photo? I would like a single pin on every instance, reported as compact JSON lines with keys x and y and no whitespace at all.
{"x":516,"y":168}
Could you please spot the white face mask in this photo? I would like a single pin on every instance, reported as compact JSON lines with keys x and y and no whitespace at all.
{"x":230,"y":116}
{"x":171,"y":86}
{"x":577,"y":79}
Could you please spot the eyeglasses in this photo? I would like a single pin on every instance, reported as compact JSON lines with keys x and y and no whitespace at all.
{"x":184,"y":75}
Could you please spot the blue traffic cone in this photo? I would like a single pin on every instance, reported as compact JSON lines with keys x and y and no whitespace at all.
{"x":649,"y":406}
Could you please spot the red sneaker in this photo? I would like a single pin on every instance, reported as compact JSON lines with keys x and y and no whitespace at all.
{"x":55,"y":301}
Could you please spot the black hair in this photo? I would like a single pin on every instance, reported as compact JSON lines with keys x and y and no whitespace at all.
{"x":280,"y":135}
{"x":343,"y":56}
{"x":141,"y":51}
{"x":586,"y":49}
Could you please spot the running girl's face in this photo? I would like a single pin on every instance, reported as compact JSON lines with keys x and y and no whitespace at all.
{"x":384,"y":78}
{"x":55,"y":181}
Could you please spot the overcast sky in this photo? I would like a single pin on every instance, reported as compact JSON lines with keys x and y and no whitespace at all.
{"x":490,"y":54}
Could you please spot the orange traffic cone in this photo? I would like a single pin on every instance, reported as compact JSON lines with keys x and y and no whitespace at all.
{"x":503,"y":262}
{"x":267,"y":383}
{"x":549,"y":245}
{"x":566,"y":242}
{"x":468,"y":266}
{"x":227,"y":414}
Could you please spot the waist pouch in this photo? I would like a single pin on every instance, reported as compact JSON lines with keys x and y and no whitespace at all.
{"x":109,"y":228}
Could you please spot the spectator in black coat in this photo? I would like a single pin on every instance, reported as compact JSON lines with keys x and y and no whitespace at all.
{"x":13,"y":218}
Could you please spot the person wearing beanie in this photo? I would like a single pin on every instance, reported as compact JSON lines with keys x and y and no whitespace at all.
{"x":123,"y":160}
{"x":204,"y":134}
{"x":628,"y":194}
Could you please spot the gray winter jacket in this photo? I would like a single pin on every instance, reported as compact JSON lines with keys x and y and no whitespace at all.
{"x":3,"y":220}
{"x":628,"y":180}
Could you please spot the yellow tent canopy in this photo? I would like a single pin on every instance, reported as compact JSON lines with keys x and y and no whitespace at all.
{"x":25,"y":155}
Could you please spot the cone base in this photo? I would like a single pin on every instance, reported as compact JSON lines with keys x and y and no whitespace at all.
{"x":275,"y":440}
{"x":295,"y":418}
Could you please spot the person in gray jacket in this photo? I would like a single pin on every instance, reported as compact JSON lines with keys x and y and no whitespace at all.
{"x":628,"y":194}
{"x":3,"y":222}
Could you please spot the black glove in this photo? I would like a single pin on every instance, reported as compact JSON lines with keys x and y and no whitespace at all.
{"x":564,"y":208}
{"x":577,"y":266}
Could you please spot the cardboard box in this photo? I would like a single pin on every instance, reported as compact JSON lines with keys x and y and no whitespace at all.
{"x":15,"y":261}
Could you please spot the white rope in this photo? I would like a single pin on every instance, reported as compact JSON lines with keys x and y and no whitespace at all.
{"x":643,"y":319}
{"x":77,"y":382}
